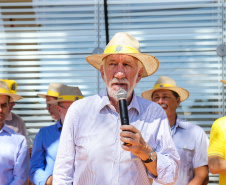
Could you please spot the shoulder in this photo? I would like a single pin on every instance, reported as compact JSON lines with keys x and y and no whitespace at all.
{"x":191,"y":128}
{"x":188,"y":125}
{"x":18,"y":138}
{"x":48,"y":128}
{"x":220,"y":123}
{"x":16,"y":117}
{"x":150,"y":107}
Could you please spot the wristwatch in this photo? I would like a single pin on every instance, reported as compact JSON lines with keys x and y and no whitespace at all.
{"x":151,"y":158}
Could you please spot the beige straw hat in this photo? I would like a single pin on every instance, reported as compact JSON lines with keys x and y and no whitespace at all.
{"x":53,"y":90}
{"x":223,"y":81}
{"x":12,"y":85}
{"x":165,"y":82}
{"x":67,"y":93}
{"x":4,"y":90}
{"x":123,"y":43}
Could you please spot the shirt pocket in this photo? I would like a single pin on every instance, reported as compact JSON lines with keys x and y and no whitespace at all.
{"x":186,"y":152}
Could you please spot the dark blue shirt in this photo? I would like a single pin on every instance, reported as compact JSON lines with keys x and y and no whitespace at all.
{"x":44,"y":153}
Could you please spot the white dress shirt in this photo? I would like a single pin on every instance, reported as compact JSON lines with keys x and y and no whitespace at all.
{"x":90,"y":151}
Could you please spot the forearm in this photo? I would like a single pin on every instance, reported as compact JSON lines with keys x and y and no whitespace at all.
{"x":217,"y":165}
{"x":199,"y":181}
{"x":201,"y":176}
{"x":151,"y":166}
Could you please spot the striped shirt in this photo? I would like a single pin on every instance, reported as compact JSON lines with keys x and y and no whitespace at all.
{"x":90,"y":151}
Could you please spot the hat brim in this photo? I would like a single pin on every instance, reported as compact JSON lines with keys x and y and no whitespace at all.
{"x":183,"y":93}
{"x":150,"y":63}
{"x":44,"y":95}
{"x":54,"y":102}
{"x":13,"y":97}
{"x":223,"y":81}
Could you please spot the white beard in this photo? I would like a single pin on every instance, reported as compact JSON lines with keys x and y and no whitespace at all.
{"x":112,"y":92}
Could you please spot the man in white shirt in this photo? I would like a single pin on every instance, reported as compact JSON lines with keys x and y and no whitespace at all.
{"x":190,"y":140}
{"x":91,"y":149}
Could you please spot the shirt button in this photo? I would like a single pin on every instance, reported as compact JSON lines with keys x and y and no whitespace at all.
{"x":116,"y":161}
{"x":114,"y":182}
{"x":117,"y":141}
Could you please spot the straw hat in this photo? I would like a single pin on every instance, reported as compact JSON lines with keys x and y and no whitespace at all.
{"x":123,"y":43}
{"x":53,"y":90}
{"x":67,"y":93}
{"x":165,"y":82}
{"x":223,"y":81}
{"x":4,"y":90}
{"x":12,"y":85}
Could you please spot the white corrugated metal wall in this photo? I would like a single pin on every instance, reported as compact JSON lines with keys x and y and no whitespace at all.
{"x":44,"y":41}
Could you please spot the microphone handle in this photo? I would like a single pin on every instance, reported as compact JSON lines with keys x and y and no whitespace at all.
{"x":123,"y":112}
{"x":124,"y":115}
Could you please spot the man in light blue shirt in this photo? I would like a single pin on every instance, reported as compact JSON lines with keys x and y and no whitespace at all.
{"x":47,"y":140}
{"x":14,"y":157}
{"x":190,"y":140}
{"x":91,"y":149}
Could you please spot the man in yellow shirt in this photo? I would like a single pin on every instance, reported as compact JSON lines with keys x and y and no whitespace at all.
{"x":217,"y":148}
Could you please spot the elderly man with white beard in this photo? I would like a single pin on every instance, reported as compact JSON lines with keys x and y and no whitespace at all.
{"x":92,"y":149}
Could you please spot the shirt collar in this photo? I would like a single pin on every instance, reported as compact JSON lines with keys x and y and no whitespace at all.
{"x":105,"y":101}
{"x":179,"y":123}
{"x":59,"y":126}
{"x":6,"y":129}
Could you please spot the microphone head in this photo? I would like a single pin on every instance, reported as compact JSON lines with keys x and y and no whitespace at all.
{"x":121,"y":94}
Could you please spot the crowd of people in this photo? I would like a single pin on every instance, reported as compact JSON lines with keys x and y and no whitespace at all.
{"x":86,"y":145}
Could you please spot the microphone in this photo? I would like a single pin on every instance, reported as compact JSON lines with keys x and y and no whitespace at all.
{"x":121,"y":97}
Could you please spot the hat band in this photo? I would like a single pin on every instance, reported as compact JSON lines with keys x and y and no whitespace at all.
{"x":4,"y":91}
{"x":69,"y":97}
{"x":120,"y":49}
{"x":162,"y":85}
{"x":52,"y":93}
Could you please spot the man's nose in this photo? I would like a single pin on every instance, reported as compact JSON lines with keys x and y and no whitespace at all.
{"x":120,"y":72}
{"x":160,"y":101}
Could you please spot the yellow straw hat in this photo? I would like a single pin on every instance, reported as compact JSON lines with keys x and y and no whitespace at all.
{"x":68,"y":93}
{"x":123,"y":43}
{"x":223,"y":81}
{"x":4,"y":90}
{"x":53,"y":90}
{"x":165,"y":82}
{"x":12,"y":85}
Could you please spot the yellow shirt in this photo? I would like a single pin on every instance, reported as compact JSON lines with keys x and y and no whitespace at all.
{"x":217,"y":144}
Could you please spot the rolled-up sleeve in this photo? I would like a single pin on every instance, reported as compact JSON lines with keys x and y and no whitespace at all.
{"x":168,"y":159}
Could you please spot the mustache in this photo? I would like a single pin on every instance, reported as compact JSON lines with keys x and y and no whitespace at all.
{"x":164,"y":105}
{"x":116,"y":80}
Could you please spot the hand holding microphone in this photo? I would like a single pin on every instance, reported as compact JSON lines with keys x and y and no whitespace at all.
{"x":121,"y":97}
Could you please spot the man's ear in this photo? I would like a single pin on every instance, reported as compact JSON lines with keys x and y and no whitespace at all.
{"x":178,"y":101}
{"x":58,"y":109}
{"x":102,"y":72}
{"x":139,"y":75}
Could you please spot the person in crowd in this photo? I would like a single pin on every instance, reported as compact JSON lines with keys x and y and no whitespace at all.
{"x":190,"y":140}
{"x":13,"y":120}
{"x":91,"y":149}
{"x":52,"y":94}
{"x":217,"y":148}
{"x":47,"y":140}
{"x":14,"y":157}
